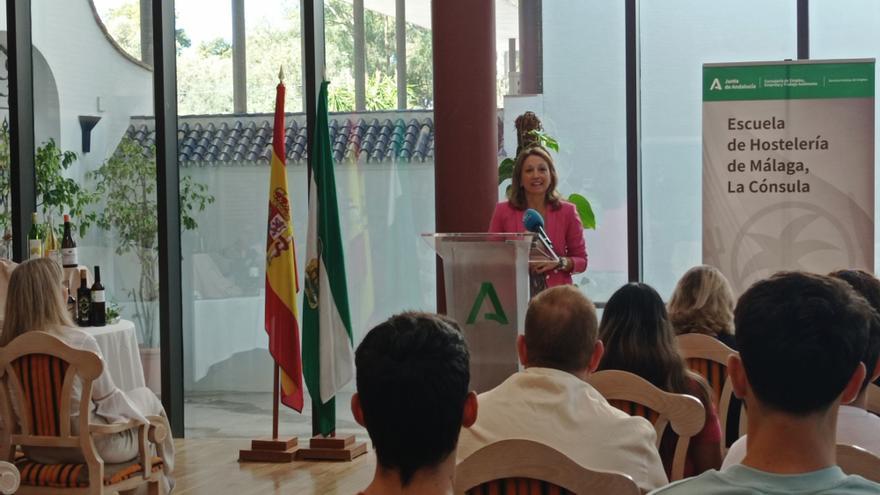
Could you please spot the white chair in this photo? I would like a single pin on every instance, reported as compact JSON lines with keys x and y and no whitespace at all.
{"x":707,"y":356}
{"x":9,"y":478}
{"x":638,"y":397}
{"x":856,"y":460}
{"x":525,"y":466}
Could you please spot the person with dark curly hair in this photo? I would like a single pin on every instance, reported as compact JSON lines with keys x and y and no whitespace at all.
{"x":413,"y":397}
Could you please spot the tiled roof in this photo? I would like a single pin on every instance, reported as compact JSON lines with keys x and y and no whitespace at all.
{"x":243,"y":139}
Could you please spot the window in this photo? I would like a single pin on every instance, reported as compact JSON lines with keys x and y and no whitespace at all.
{"x":675,"y":39}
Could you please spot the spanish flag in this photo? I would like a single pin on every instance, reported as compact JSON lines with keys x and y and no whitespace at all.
{"x":281,"y":275}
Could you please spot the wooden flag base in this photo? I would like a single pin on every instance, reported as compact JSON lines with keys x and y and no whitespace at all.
{"x":332,"y":449}
{"x":270,"y":450}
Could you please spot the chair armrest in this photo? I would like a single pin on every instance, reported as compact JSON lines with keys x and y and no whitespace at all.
{"x":99,"y":429}
{"x":158,"y":429}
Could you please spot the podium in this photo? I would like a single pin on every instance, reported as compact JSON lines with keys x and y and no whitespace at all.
{"x":487,"y":292}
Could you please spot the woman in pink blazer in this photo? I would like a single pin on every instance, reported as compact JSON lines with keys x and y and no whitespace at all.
{"x":534,"y":186}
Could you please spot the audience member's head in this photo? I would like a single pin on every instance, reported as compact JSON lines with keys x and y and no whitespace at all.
{"x":639,"y":338}
{"x":35,"y":299}
{"x":868,"y":287}
{"x":561,"y":331}
{"x":412,"y":391}
{"x":702,"y":302}
{"x":801,"y":338}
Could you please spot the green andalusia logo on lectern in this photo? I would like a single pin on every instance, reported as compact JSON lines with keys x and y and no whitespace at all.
{"x":497,"y":314}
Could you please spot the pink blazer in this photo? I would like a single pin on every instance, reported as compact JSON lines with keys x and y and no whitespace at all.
{"x":564,"y":228}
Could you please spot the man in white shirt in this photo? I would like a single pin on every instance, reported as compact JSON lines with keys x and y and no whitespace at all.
{"x":855,"y":425}
{"x":551,"y":402}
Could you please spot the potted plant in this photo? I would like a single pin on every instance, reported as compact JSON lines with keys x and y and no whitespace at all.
{"x":529,"y":132}
{"x":56,"y":194}
{"x":127,"y":183}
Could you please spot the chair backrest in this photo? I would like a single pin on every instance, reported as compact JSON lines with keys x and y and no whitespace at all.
{"x":874,"y":399}
{"x":39,"y":370}
{"x":635,"y":395}
{"x":856,"y":460}
{"x":707,"y":356}
{"x":525,"y":466}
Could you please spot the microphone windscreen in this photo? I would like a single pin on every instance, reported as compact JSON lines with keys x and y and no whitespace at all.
{"x":532,"y":220}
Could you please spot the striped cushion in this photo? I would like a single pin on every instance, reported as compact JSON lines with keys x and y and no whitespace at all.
{"x":714,"y":373}
{"x":41,"y":378}
{"x":75,"y":475}
{"x":518,"y":486}
{"x":635,"y":409}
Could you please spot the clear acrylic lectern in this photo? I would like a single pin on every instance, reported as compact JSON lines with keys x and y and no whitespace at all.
{"x":486,"y":279}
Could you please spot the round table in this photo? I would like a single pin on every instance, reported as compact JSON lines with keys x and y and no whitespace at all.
{"x":122,"y":358}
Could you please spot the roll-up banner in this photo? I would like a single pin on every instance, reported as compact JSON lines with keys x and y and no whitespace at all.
{"x":788,"y":167}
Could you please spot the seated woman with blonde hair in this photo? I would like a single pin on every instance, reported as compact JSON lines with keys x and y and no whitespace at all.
{"x":703,"y":303}
{"x":36,"y":303}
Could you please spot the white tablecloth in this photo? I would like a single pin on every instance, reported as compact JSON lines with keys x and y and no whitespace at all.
{"x":122,"y":358}
{"x":72,"y":276}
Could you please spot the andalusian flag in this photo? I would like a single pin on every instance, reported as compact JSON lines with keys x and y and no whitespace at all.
{"x":328,"y":360}
{"x":281,"y":276}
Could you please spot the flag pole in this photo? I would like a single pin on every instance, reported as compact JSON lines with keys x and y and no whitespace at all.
{"x":275,"y":399}
{"x":280,"y":312}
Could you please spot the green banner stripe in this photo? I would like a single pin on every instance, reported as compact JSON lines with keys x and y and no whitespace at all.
{"x":788,"y":81}
{"x":328,"y":214}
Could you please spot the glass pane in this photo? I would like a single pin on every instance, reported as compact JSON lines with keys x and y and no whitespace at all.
{"x":676,"y":37}
{"x":95,"y":161}
{"x":586,"y":114}
{"x":226,"y":76}
{"x":848,"y":29}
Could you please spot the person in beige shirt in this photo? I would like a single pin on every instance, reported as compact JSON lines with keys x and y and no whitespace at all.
{"x":550,"y":401}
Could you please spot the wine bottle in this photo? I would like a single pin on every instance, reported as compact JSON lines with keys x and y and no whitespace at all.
{"x":83,"y":301}
{"x":99,"y":309}
{"x":35,"y":239}
{"x":68,"y":246}
{"x":51,"y":248}
{"x":71,"y":302}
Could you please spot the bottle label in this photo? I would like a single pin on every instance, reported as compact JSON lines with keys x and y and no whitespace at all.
{"x":85,"y":310}
{"x":35,"y":248}
{"x":54,"y":255}
{"x":68,"y":257}
{"x":97,"y":296}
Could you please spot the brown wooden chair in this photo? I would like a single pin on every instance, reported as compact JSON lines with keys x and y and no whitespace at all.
{"x":856,"y":460}
{"x":636,"y":396}
{"x":874,"y":399}
{"x":39,"y":370}
{"x":707,"y":356}
{"x":525,"y":466}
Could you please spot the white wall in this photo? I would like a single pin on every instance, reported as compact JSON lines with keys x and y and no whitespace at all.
{"x":87,"y":67}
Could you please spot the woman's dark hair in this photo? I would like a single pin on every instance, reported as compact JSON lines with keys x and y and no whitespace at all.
{"x":639,"y":338}
{"x":516,"y":195}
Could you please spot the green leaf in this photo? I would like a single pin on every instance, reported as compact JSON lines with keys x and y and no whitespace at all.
{"x":505,"y":170}
{"x":545,"y":140}
{"x":584,"y":209}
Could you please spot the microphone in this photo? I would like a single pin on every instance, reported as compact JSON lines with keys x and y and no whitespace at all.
{"x":534,"y":222}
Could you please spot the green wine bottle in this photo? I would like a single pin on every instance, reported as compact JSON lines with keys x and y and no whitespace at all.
{"x":35,"y":238}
